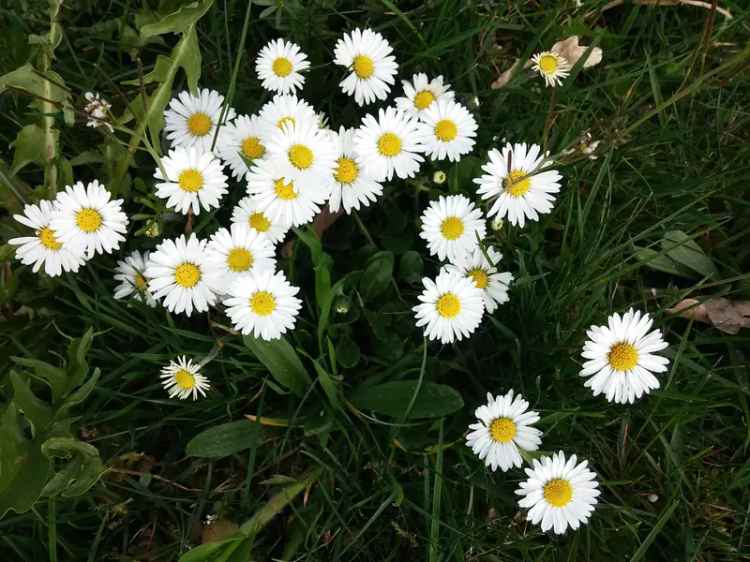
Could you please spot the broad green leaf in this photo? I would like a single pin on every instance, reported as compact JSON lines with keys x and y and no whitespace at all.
{"x":660,"y":262}
{"x":282,"y":361}
{"x":213,"y":551}
{"x":393,"y":399}
{"x":329,"y":386}
{"x":347,"y":352}
{"x":55,"y":377}
{"x":36,"y":411}
{"x":29,"y":147}
{"x":225,"y":439}
{"x":682,"y":249}
{"x":49,"y":87}
{"x":82,"y":468}
{"x":178,"y":21}
{"x":377,"y":275}
{"x":411,"y":267}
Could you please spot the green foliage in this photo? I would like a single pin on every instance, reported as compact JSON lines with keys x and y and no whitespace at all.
{"x":224,"y":440}
{"x":428,"y":400}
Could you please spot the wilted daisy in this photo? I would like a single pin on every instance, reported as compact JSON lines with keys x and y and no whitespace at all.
{"x":421,"y":93}
{"x":236,"y":252}
{"x":182,"y":379}
{"x":279,"y":65}
{"x":97,"y":111}
{"x":388,"y":145}
{"x":558,"y":493}
{"x":247,"y":213}
{"x":621,"y":357}
{"x":87,"y":219}
{"x":448,"y":130}
{"x":284,"y":109}
{"x":351,"y":186}
{"x":451,"y":307}
{"x":303,"y":152}
{"x":240,"y":143}
{"x":178,"y":272}
{"x":130,"y":272}
{"x":194,"y":180}
{"x":45,"y":248}
{"x":485,"y":274}
{"x":552,"y":66}
{"x":505,"y":426}
{"x":191,"y":120}
{"x":373,"y":68}
{"x":263,"y":304}
{"x":452,"y":226}
{"x":521,"y":193}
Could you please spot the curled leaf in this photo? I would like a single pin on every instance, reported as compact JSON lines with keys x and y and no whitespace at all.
{"x":572,"y":51}
{"x":724,"y":314}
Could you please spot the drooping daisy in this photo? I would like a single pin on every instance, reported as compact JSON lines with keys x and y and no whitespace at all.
{"x":521,"y":192}
{"x":236,"y":252}
{"x":373,"y":68}
{"x":194,"y":180}
{"x":304,"y":153}
{"x":558,"y":493}
{"x":87,"y":219}
{"x":97,"y":111}
{"x":178,"y":272}
{"x":130,"y":272}
{"x":452,"y":226}
{"x":247,"y":213}
{"x":485,"y":274}
{"x":351,"y":186}
{"x":279,"y":65}
{"x":45,"y":248}
{"x":621,"y":357}
{"x":388,"y":145}
{"x":448,"y":130}
{"x":191,"y":120}
{"x":240,"y":144}
{"x":553,"y":67}
{"x":283,"y":109}
{"x":182,"y":379}
{"x":451,"y":307}
{"x":505,"y":426}
{"x":421,"y":93}
{"x":263,"y":304}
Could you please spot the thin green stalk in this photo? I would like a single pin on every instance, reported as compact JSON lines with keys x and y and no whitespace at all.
{"x":437,"y":494}
{"x":52,"y":529}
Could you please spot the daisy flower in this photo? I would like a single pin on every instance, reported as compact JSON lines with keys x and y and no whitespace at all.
{"x":87,"y":219}
{"x":279,"y":65}
{"x":247,"y":213}
{"x":485,"y":274}
{"x":304,"y":152}
{"x":552,"y":66}
{"x":421,"y":93}
{"x":558,"y":493}
{"x":263,"y":304}
{"x":240,"y":144}
{"x":182,"y":379}
{"x":520,"y":193}
{"x":130,"y":273}
{"x":351,"y":186}
{"x":194,"y":180}
{"x":388,"y":145}
{"x":236,"y":252}
{"x":448,"y":130}
{"x":178,"y":272}
{"x":373,"y":68}
{"x":621,"y":357}
{"x":284,"y":109}
{"x":45,"y":248}
{"x":505,"y":426}
{"x":452,"y":225}
{"x":192,"y":120}
{"x":451,"y":307}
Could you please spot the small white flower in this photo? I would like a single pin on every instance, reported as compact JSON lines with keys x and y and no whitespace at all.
{"x":240,"y":144}
{"x":421,"y":93}
{"x":485,"y":274}
{"x":237,"y":252}
{"x":552,"y":66}
{"x":97,"y":110}
{"x":372,"y":66}
{"x":279,"y":65}
{"x":247,"y":213}
{"x":194,"y":180}
{"x":192,"y":120}
{"x":621,"y":357}
{"x":130,"y":272}
{"x":558,"y":493}
{"x":350,"y":185}
{"x":182,"y":379}
{"x":448,"y":129}
{"x":263,"y":304}
{"x":452,"y":226}
{"x":451,"y":307}
{"x":283,"y":109}
{"x":505,"y":426}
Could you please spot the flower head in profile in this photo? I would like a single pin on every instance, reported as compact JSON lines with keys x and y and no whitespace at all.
{"x":192,"y":120}
{"x":130,"y":272}
{"x":372,"y":66}
{"x":280,"y":65}
{"x":182,"y":379}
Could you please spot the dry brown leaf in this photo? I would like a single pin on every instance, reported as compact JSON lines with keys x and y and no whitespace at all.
{"x":725,"y":315}
{"x":572,"y":51}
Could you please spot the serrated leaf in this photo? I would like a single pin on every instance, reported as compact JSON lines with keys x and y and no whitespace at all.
{"x":377,"y":275}
{"x":55,"y":377}
{"x":179,"y":20}
{"x":393,"y":399}
{"x":282,"y":361}
{"x":225,"y":439}
{"x":36,"y":411}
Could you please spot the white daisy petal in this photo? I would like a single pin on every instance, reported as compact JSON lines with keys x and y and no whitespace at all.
{"x":240,"y":143}
{"x":182,"y":379}
{"x":247,"y":213}
{"x":130,"y":272}
{"x":421,"y":94}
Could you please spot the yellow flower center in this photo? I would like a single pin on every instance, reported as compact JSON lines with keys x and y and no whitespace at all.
{"x":446,"y":130}
{"x":259,"y":222}
{"x":480,"y":277}
{"x":517,"y":183}
{"x":88,"y":219}
{"x":623,"y":356}
{"x":301,"y":156}
{"x":364,"y":67}
{"x":262,"y":303}
{"x":47,"y":238}
{"x":452,"y":228}
{"x":389,"y":144}
{"x":424,"y":99}
{"x":448,"y":305}
{"x":187,"y":275}
{"x":282,"y":67}
{"x":252,"y":148}
{"x":190,"y":180}
{"x":346,"y":171}
{"x":184,"y":379}
{"x":288,"y":120}
{"x":239,"y":259}
{"x":199,"y":124}
{"x":139,"y":282}
{"x":548,"y":64}
{"x":503,"y":430}
{"x":284,"y":190}
{"x":558,"y":492}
